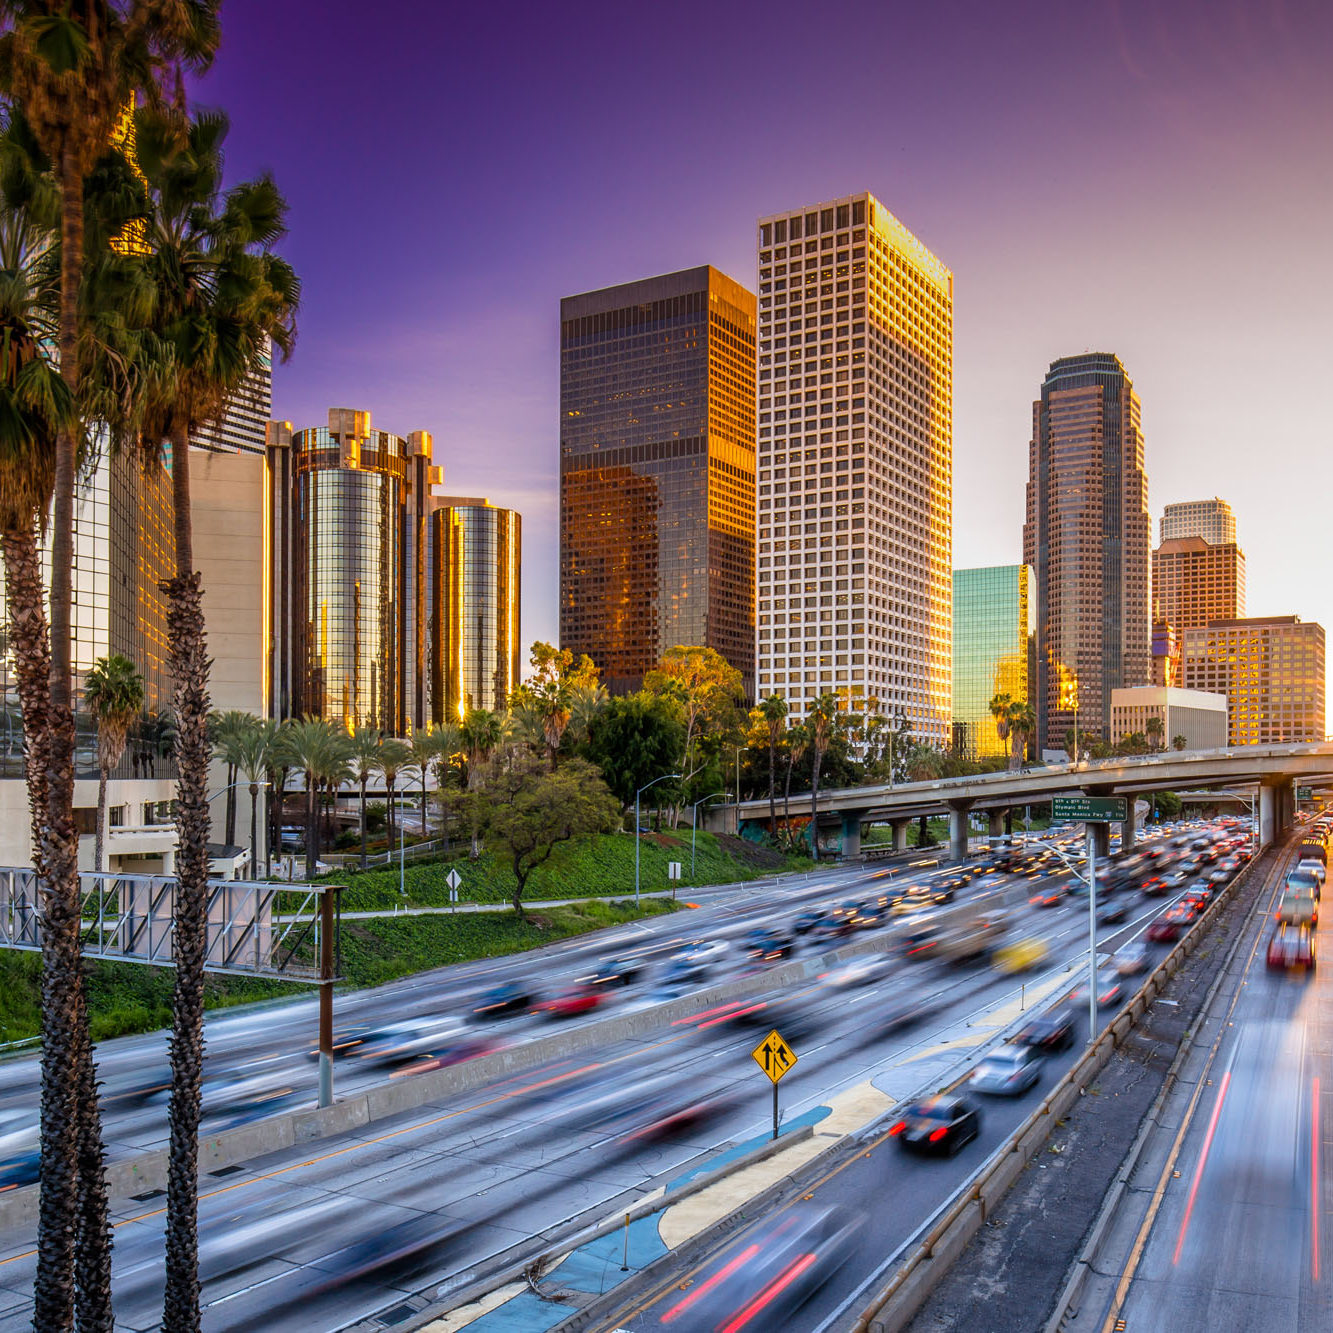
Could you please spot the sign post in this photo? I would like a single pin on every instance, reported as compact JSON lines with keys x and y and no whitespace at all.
{"x":776,"y":1059}
{"x":673,"y":874}
{"x":453,"y":880}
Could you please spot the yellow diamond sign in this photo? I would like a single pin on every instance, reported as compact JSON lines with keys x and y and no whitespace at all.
{"x":774,"y":1056}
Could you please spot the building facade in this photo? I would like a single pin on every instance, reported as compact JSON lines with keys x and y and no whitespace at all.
{"x":1087,"y":539}
{"x":1194,"y":715}
{"x":1212,"y":520}
{"x":349,"y":584}
{"x":657,"y":472}
{"x":855,"y":452}
{"x":1271,"y":670}
{"x":243,"y":426}
{"x":476,"y":555}
{"x":993,"y":622}
{"x":1195,"y":581}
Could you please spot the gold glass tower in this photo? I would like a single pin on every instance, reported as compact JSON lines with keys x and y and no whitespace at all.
{"x":855,"y":457}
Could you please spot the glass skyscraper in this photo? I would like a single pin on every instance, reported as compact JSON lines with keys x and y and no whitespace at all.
{"x":657,"y":472}
{"x":855,"y":463}
{"x":993,"y":621}
{"x":477,"y":563}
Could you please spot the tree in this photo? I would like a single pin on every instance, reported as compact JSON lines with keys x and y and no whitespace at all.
{"x":424,"y":746}
{"x":323,"y":752}
{"x":531,"y":810}
{"x":548,"y":693}
{"x":394,"y":757}
{"x":1156,"y":730}
{"x":774,"y":713}
{"x":113,"y":694}
{"x":634,"y":739}
{"x":708,"y":691}
{"x":1179,"y":742}
{"x":254,"y":757}
{"x":798,"y":741}
{"x":1000,"y":706}
{"x":822,"y":715}
{"x":227,"y":730}
{"x":479,"y":737}
{"x":365,"y":760}
{"x":218,"y":301}
{"x":1022,"y":718}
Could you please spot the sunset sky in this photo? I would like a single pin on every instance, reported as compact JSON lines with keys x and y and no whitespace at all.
{"x":1150,"y":179}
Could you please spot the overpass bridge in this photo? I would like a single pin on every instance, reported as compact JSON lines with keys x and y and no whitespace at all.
{"x":1273,"y":770}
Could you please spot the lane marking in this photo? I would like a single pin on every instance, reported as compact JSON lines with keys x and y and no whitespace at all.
{"x":1203,"y":1161}
{"x":1314,"y":1182}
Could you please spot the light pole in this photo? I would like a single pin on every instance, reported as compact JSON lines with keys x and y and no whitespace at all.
{"x":637,"y":794}
{"x":694,"y":825}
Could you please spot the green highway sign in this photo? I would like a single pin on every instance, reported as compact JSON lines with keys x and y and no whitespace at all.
{"x":1090,"y":809}
{"x":1305,"y":793}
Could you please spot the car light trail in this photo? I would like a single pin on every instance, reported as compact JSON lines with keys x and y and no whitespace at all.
{"x":704,"y":1288}
{"x":769,"y":1293}
{"x":1314,"y":1183}
{"x":1203,"y":1161}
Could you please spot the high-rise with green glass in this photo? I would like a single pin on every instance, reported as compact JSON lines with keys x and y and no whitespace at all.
{"x":993,"y":623}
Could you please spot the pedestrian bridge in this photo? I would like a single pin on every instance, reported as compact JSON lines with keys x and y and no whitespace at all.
{"x":1274,"y":770}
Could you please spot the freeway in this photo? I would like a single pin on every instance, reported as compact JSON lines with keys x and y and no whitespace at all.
{"x":1226,"y":1225}
{"x":320,"y":1236}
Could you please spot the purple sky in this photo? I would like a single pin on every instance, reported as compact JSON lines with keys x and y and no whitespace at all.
{"x":1153,"y":179}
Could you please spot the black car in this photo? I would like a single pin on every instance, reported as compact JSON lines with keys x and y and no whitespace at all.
{"x":1109,"y":913}
{"x":22,"y":1169}
{"x":767,"y":944}
{"x":938,"y":1125}
{"x":503,"y":1001}
{"x":807,"y":921}
{"x":1051,"y":1031}
{"x":616,"y":972}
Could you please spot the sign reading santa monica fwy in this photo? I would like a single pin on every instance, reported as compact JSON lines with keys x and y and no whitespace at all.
{"x":1090,"y":809}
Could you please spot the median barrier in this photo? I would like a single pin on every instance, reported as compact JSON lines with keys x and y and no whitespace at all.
{"x":898,"y":1301}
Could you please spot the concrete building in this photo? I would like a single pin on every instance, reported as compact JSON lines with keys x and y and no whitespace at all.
{"x":1211,"y":520}
{"x":1195,"y":581}
{"x":855,"y":454}
{"x":1271,"y":669}
{"x":657,"y":472}
{"x":477,"y":562}
{"x":1087,"y":539}
{"x":993,"y":620}
{"x":1200,"y":717}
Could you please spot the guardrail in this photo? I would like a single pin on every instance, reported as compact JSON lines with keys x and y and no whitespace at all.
{"x":898,"y":1301}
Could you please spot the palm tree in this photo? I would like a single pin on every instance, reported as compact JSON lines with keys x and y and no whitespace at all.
{"x":254,"y":757}
{"x":365,"y":760}
{"x":1156,"y":730}
{"x":322,"y":751}
{"x":1022,"y":718}
{"x":587,"y":698}
{"x":822,"y":716}
{"x":773,"y":711}
{"x":113,"y":694}
{"x":480,"y":736}
{"x":798,"y":741}
{"x":228,"y":730}
{"x":394,"y":757}
{"x":424,"y":746}
{"x":1000,"y":706}
{"x":1179,"y":742}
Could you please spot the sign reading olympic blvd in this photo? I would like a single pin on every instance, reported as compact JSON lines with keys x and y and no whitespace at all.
{"x":777,"y":1060}
{"x":1090,"y":809}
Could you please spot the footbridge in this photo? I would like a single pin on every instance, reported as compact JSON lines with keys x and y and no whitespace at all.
{"x":1273,"y":771}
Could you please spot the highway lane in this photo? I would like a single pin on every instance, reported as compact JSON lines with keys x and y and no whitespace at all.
{"x":1241,"y":1239}
{"x":455,"y":1183}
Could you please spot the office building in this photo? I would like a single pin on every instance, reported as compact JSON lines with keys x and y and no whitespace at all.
{"x":1194,"y":716}
{"x":657,"y":472}
{"x":855,"y":463}
{"x":1165,"y":654}
{"x":993,"y":620}
{"x":1195,"y":581}
{"x":1087,"y":539}
{"x":476,"y":553}
{"x":1212,"y":520}
{"x":244,"y":422}
{"x":349,"y":591}
{"x":1271,"y":669}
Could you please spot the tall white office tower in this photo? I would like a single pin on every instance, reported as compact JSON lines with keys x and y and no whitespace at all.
{"x":855,"y":465}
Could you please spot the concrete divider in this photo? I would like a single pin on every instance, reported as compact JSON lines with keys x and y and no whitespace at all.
{"x":902,"y":1296}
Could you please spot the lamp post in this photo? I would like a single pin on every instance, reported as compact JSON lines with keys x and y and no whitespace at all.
{"x":694,"y":825}
{"x":637,"y":794}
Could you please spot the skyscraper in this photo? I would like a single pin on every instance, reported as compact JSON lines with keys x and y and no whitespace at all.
{"x":476,"y":552}
{"x":855,"y":463}
{"x":1195,"y":581}
{"x":1087,"y":538}
{"x":244,"y":422}
{"x":657,"y":472}
{"x":1210,"y":519}
{"x":992,"y":650}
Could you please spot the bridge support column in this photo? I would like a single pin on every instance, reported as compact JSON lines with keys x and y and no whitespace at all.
{"x":851,"y":835}
{"x":900,"y":827}
{"x":958,"y":827}
{"x":1100,"y":837}
{"x":995,"y":824}
{"x":1129,"y":829}
{"x":1269,"y":814}
{"x":1286,"y":807}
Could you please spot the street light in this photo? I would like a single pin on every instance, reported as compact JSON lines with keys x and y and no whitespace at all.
{"x":637,"y":794}
{"x":694,"y":824}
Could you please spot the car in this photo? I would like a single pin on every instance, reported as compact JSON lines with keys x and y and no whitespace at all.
{"x":616,"y":972}
{"x":575,"y":1000}
{"x":410,"y":1039}
{"x":1297,"y":907}
{"x":1196,"y":899}
{"x":1291,"y":947}
{"x":767,"y":944}
{"x":1049,"y":896}
{"x":502,"y":1001}
{"x":938,"y":1125}
{"x":863,"y":971}
{"x":1164,"y":931}
{"x":704,"y":953}
{"x":1153,"y":887}
{"x":1020,"y":956}
{"x":808,"y":921}
{"x":1110,"y":913}
{"x":1007,"y":1072}
{"x":22,"y":1168}
{"x":1051,"y":1031}
{"x":921,"y":944}
{"x":1110,"y":988}
{"x":1303,"y":878}
{"x":1131,"y":958}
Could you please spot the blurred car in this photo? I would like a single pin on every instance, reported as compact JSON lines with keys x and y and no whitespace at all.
{"x":1109,"y":913}
{"x":1131,"y":958}
{"x":1051,"y":1031}
{"x":503,"y":1001}
{"x":1297,"y":907}
{"x":940,"y":1125}
{"x":807,"y":921}
{"x":793,"y":1016}
{"x":1302,"y":879}
{"x":1291,"y":947}
{"x":1165,"y":930}
{"x":573,"y":1001}
{"x":682,"y":972}
{"x":1049,"y":896}
{"x":21,"y":1169}
{"x":1020,"y":956}
{"x":862,"y":971}
{"x":1110,"y":988}
{"x":919,"y":945}
{"x":762,"y":1281}
{"x":706,"y":953}
{"x":1153,"y":887}
{"x":1007,"y":1072}
{"x":767,"y":944}
{"x":409,"y":1039}
{"x":617,"y":972}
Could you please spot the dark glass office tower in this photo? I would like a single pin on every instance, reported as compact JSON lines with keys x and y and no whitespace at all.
{"x":657,"y":437}
{"x":1087,"y":539}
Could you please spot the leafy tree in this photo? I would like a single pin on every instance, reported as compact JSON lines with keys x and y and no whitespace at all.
{"x":1000,"y":706}
{"x":113,"y":694}
{"x":548,"y":694}
{"x":394,"y":757}
{"x":1179,"y":743}
{"x":365,"y":760}
{"x":798,"y":742}
{"x":1156,"y":730}
{"x":633,"y":739}
{"x":479,"y":737}
{"x":254,"y":756}
{"x":707,"y":690}
{"x":531,"y":810}
{"x":323,"y":752}
{"x":822,"y":718}
{"x":773,"y":712}
{"x":227,"y":730}
{"x":1022,"y":719}
{"x":425,"y":746}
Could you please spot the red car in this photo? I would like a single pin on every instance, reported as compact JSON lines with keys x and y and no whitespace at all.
{"x":1163,"y":931}
{"x":570,"y":1003}
{"x":1291,"y":947}
{"x":1046,"y":898}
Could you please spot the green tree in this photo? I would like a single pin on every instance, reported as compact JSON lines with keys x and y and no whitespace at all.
{"x":394,"y":757}
{"x":227,"y":730}
{"x":113,"y":694}
{"x":323,"y":753}
{"x":823,"y":714}
{"x":1179,"y":743}
{"x":634,"y":739}
{"x":1022,"y":719}
{"x":773,"y":711}
{"x":1156,"y":730}
{"x":531,"y":810}
{"x":424,"y":747}
{"x":480,"y":735}
{"x":709,"y":693}
{"x":254,"y":758}
{"x":1000,"y":709}
{"x":798,"y":742}
{"x":548,"y":694}
{"x":365,"y":761}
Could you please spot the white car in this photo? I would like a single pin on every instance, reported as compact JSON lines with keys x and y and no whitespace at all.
{"x":861,"y":971}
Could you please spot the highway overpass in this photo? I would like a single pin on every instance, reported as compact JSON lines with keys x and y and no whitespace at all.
{"x":1272,"y":769}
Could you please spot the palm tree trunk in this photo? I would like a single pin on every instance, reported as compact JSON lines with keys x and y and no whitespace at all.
{"x":254,"y":830}
{"x":388,"y":816}
{"x":231,"y":805}
{"x":311,"y":826}
{"x":101,"y":818}
{"x":772,"y":780}
{"x":786,"y":795}
{"x":363,"y":823}
{"x":188,"y":660}
{"x":814,"y":807}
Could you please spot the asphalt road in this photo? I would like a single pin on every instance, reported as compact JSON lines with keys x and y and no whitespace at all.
{"x":317,"y":1238}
